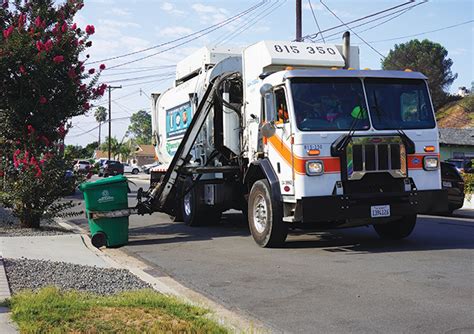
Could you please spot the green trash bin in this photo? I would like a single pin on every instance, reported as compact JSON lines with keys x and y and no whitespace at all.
{"x":107,"y":194}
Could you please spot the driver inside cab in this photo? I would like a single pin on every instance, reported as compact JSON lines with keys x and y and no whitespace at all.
{"x":282,"y":116}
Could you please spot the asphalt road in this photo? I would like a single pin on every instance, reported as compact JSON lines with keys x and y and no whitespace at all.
{"x":323,"y":282}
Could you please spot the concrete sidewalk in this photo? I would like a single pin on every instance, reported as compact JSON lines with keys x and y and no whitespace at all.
{"x":69,"y":248}
{"x":77,"y":249}
{"x":6,"y":325}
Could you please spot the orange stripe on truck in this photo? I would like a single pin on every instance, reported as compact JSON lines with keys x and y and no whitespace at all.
{"x":331,"y":164}
{"x":415,"y":161}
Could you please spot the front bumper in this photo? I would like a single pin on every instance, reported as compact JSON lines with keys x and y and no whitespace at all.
{"x":358,"y":206}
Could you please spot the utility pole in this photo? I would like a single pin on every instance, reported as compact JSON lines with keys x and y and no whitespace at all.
{"x":100,"y":124}
{"x":298,"y":21}
{"x":110,"y":114}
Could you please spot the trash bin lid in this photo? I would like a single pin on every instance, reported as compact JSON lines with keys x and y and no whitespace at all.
{"x":102,"y":182}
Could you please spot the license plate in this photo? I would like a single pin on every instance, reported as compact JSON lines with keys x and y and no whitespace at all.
{"x":380,"y":211}
{"x":447,"y":184}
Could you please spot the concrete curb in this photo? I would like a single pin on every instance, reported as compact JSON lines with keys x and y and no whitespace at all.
{"x":5,"y":292}
{"x":6,"y":325}
{"x":164,"y":284}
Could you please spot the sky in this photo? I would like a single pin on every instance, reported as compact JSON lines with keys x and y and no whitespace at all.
{"x":127,"y":26}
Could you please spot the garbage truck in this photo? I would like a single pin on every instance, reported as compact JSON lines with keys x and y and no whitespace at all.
{"x":294,"y":134}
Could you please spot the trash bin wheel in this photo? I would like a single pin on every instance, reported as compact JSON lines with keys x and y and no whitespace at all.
{"x":99,"y":239}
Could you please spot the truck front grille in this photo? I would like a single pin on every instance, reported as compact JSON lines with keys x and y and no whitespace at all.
{"x":375,"y":154}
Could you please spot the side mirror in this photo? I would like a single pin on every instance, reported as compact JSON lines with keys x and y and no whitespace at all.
{"x":268,"y":130}
{"x":266,"y":88}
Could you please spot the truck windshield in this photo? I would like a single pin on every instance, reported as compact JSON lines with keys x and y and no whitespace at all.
{"x":399,"y":104}
{"x":329,"y":104}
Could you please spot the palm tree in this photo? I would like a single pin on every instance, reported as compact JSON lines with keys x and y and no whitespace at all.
{"x":100,"y":116}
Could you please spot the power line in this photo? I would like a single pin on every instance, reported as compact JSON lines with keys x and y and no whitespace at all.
{"x":147,"y":82}
{"x":118,"y":98}
{"x":316,"y":20}
{"x":165,"y":50}
{"x":88,"y":133}
{"x":363,"y":40}
{"x":218,"y":25}
{"x":138,"y":68}
{"x":422,"y":33}
{"x":312,"y":36}
{"x":124,"y":108}
{"x":260,"y":16}
{"x":236,"y":17}
{"x":250,"y":18}
{"x":225,"y":34}
{"x":167,"y":74}
{"x":95,"y":128}
{"x":391,"y":16}
{"x":158,"y":68}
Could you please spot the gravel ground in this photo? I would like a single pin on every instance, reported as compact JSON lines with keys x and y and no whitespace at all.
{"x":35,"y":274}
{"x":10,"y":227}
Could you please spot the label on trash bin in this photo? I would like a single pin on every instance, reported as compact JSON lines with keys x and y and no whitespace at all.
{"x":105,"y":197}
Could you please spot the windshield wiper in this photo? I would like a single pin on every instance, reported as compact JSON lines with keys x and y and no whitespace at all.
{"x":376,"y":105}
{"x":409,"y":144}
{"x":340,"y":144}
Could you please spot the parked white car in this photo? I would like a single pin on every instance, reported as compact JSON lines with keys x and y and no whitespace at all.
{"x":134,"y":169}
{"x":82,"y":166}
{"x":146,"y":168}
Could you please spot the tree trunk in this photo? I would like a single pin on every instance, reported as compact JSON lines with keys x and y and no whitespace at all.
{"x":29,"y":221}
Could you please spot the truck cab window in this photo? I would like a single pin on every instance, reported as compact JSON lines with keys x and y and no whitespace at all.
{"x":399,"y":104}
{"x":281,"y":106}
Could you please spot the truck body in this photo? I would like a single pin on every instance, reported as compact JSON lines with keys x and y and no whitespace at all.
{"x":295,"y":134}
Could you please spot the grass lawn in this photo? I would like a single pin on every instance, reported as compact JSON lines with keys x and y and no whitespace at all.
{"x":146,"y":311}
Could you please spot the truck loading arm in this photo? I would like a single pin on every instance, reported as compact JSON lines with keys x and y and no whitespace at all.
{"x":162,"y":197}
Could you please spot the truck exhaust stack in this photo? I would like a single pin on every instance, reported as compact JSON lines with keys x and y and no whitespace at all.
{"x":346,"y":48}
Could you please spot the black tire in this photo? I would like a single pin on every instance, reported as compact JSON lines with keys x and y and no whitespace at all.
{"x":135,"y":171}
{"x":99,"y":240}
{"x":397,"y":229}
{"x":178,"y":217}
{"x":106,"y":175}
{"x":245,"y":211}
{"x":193,"y":212}
{"x":271,"y":231}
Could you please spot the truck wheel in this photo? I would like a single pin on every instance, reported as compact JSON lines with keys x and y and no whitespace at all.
{"x":245,"y":210}
{"x":191,"y":209}
{"x":397,"y":229}
{"x":195,"y":213}
{"x":178,"y":213}
{"x":265,"y":218}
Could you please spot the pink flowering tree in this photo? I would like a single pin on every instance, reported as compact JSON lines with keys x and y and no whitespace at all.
{"x":44,"y":81}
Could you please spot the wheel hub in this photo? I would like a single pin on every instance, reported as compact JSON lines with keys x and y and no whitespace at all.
{"x":187,"y":204}
{"x":260,"y":213}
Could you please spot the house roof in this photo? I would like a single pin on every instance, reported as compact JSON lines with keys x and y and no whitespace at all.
{"x":452,"y":136}
{"x":101,"y":154}
{"x":145,"y":150}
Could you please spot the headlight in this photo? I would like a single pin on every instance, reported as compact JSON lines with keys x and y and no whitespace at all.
{"x":314,"y":167}
{"x":430,"y":163}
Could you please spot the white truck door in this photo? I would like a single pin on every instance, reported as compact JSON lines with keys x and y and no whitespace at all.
{"x":279,"y":146}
